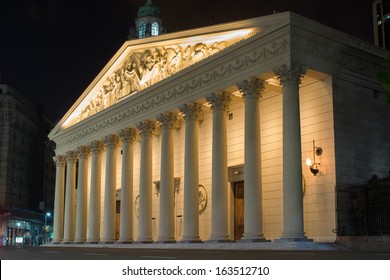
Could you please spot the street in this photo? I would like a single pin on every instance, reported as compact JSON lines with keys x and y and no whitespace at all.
{"x":88,"y":253}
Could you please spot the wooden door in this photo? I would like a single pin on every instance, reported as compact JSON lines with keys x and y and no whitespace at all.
{"x":238,"y":210}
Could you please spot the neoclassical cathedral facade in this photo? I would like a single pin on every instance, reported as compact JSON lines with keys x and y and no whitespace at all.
{"x":203,"y":135}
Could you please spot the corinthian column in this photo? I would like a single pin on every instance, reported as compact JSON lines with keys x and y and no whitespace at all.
{"x":290,"y":77}
{"x":253,"y":205}
{"x":82,"y":193}
{"x":146,"y":129}
{"x":69,"y":226}
{"x":167,"y":180}
{"x":109,"y":218}
{"x":219,"y":219}
{"x":193,"y":113}
{"x":58,"y":222}
{"x":127,"y":135}
{"x":96,"y":148}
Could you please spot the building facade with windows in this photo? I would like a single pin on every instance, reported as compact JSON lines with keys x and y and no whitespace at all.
{"x":27,"y":172}
{"x":204,"y":134}
{"x":381,"y":23}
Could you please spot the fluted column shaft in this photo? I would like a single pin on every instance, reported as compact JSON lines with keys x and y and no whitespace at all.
{"x":146,"y":130}
{"x":253,"y":206}
{"x":96,"y":148}
{"x":192,"y":112}
{"x":292,"y":155}
{"x":82,"y":195}
{"x":219,"y":216}
{"x":167,"y":180}
{"x":109,"y":218}
{"x":58,"y":222}
{"x":127,"y":136}
{"x":70,"y":191}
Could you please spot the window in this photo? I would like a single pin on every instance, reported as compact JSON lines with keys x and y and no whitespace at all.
{"x":155,"y":29}
{"x":141,"y":30}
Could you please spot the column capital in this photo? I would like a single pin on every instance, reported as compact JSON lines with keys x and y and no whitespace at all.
{"x":252,"y":87}
{"x":219,"y":100}
{"x":59,"y":160}
{"x":71,"y":156}
{"x":168,"y":120}
{"x":83,"y":152}
{"x":146,"y":128}
{"x":128,"y":134}
{"x":111,"y":141}
{"x":290,"y":73}
{"x":96,"y":147}
{"x":192,"y":111}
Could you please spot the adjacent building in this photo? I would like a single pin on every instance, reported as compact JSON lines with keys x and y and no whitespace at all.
{"x":381,"y":22}
{"x":27,"y":173}
{"x":204,"y":134}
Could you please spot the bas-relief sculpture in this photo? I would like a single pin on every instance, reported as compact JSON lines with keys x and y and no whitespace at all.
{"x":143,"y":69}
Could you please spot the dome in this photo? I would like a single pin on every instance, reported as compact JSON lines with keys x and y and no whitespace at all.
{"x":149,"y":10}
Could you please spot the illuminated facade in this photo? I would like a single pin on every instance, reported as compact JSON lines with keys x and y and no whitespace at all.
{"x":203,"y":135}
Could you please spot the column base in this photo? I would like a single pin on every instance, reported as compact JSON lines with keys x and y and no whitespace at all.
{"x":92,"y":242}
{"x":219,"y":241}
{"x":56,"y":242}
{"x":165,"y":241}
{"x":219,"y":238}
{"x":253,"y":237}
{"x":293,"y":239}
{"x":143,"y":242}
{"x":252,"y":240}
{"x":191,"y":241}
{"x":66,"y":242}
{"x":108,"y":242}
{"x":79,"y":242}
{"x":125,"y":241}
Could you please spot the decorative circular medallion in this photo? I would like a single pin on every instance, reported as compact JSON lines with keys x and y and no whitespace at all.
{"x":202,"y":198}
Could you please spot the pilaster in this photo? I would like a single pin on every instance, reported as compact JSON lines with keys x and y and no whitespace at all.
{"x":293,"y":226}
{"x":127,"y":136}
{"x":146,"y":129}
{"x":168,"y":122}
{"x":220,"y":102}
{"x":109,"y":219}
{"x":58,"y":222}
{"x":82,"y":193}
{"x":96,"y":148}
{"x":69,"y":219}
{"x":252,"y":90}
{"x":192,"y":113}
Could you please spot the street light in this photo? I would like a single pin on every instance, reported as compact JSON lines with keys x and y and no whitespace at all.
{"x":48,"y":214}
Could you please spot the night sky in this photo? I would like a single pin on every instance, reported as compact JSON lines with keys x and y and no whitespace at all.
{"x":51,"y":50}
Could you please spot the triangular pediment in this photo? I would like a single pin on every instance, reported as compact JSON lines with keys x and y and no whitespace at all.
{"x":142,"y":63}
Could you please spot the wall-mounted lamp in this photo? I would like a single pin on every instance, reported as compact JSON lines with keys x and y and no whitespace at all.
{"x":317,"y":151}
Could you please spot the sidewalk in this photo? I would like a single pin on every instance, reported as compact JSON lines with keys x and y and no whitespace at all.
{"x":216,"y":246}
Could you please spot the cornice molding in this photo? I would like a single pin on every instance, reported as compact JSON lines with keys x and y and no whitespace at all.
{"x":337,"y":53}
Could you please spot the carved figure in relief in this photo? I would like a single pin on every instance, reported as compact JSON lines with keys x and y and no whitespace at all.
{"x":175,"y":63}
{"x":99,"y":102}
{"x":131,"y":77}
{"x":163,"y":64}
{"x":186,"y":57}
{"x":146,"y":68}
{"x":200,"y":51}
{"x":216,"y":47}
